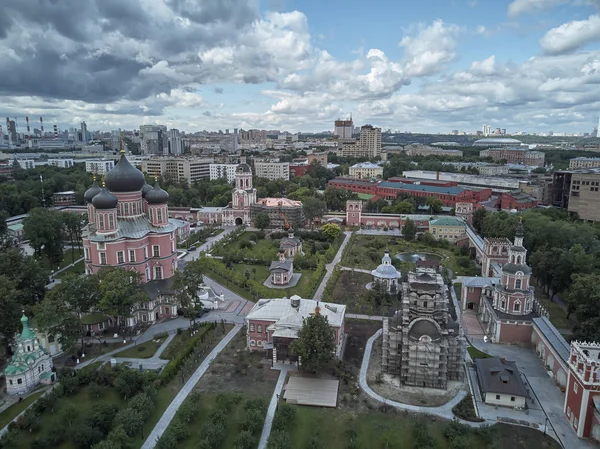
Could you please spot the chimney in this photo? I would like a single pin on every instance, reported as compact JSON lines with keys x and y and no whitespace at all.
{"x":281,"y":255}
{"x":437,"y":175}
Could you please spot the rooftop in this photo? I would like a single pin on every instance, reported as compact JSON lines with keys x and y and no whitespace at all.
{"x":556,"y":340}
{"x":278,"y":202}
{"x":497,"y":140}
{"x":497,"y":375}
{"x":422,"y":188}
{"x":282,"y":308}
{"x":366,"y":165}
{"x":447,"y":221}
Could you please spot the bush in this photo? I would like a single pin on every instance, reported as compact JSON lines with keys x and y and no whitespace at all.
{"x":284,"y":417}
{"x":279,"y":440}
{"x":129,"y":382}
{"x":213,"y":433}
{"x":85,"y":436}
{"x":175,"y":365}
{"x":102,"y":416}
{"x":244,"y":440}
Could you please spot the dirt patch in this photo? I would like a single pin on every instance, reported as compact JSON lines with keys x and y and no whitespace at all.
{"x":388,"y":386}
{"x":236,"y":369}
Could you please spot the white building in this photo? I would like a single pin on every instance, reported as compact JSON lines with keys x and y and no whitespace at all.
{"x":584,"y":162}
{"x":500,"y":382}
{"x":218,"y":171}
{"x":370,"y":140}
{"x":61,"y":163}
{"x":26,"y":163}
{"x":99,"y":167}
{"x":272,"y":170}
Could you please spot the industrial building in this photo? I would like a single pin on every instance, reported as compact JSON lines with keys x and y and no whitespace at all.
{"x":577,"y":191}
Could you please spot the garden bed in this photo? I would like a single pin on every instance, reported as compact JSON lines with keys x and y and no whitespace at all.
{"x":466,"y":410}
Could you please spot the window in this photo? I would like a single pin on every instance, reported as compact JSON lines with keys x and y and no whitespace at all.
{"x":111,"y":221}
{"x":126,"y":208}
{"x":159,"y":214}
{"x":28,"y":348}
{"x":101,"y":326}
{"x":512,"y":399}
{"x":50,"y":338}
{"x":134,"y":208}
{"x":120,"y":257}
{"x":145,"y":252}
{"x":155,"y":251}
{"x":144,"y":318}
{"x":517,"y":307}
{"x":131,"y":255}
{"x":147,"y":274}
{"x":498,"y":396}
{"x":87,"y":253}
{"x":19,"y":381}
{"x":10,"y":382}
{"x":260,"y":328}
{"x":101,"y":221}
{"x":518,"y":284}
{"x":252,"y":328}
{"x":502,"y":304}
{"x":158,"y":273}
{"x":574,"y":193}
{"x":101,"y":245}
{"x":252,"y":343}
{"x":102,"y":258}
{"x":575,"y":387}
{"x":425,"y":304}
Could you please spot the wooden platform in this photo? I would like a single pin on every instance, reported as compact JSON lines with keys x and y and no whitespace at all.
{"x":309,"y":391}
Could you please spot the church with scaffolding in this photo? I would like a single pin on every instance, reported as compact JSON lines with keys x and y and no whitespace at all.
{"x":423,"y":343}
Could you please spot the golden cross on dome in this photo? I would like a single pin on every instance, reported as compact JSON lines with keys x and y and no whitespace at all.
{"x":121,"y":144}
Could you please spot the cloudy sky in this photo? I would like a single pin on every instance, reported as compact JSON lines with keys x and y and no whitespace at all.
{"x":422,"y":66}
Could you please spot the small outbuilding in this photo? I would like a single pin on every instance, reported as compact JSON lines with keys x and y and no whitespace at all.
{"x":386,"y":273}
{"x":500,"y":382}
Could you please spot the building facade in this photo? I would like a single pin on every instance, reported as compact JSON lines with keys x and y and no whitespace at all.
{"x":422,"y":344}
{"x":283,"y":213}
{"x":387,"y":274}
{"x":447,"y":228}
{"x":282,"y":270}
{"x":129,"y":227}
{"x":99,"y":167}
{"x":516,"y":201}
{"x":218,"y":171}
{"x":272,"y":170}
{"x":515,"y":156}
{"x":584,"y":162}
{"x":154,"y":139}
{"x":366,"y":170}
{"x":343,"y":129}
{"x":370,"y":141}
{"x":66,"y":198}
{"x":426,"y":150}
{"x":61,"y":163}
{"x":178,"y":169}
{"x":319,"y":158}
{"x":174,"y":142}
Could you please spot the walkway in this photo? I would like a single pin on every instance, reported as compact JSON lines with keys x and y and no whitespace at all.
{"x":169,"y":413}
{"x":154,"y":362}
{"x":264,"y":436}
{"x":358,"y":270}
{"x":443,"y":411}
{"x":331,"y":266}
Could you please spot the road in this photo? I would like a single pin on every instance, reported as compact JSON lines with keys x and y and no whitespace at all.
{"x":264,"y":436}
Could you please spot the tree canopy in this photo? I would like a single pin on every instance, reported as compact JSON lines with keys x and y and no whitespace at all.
{"x":262,"y":221}
{"x":409,"y":230}
{"x":315,"y":343}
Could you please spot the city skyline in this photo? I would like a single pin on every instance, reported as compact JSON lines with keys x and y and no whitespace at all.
{"x":522,"y":65}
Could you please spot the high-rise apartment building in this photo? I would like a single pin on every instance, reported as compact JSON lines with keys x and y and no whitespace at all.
{"x":153,"y":139}
{"x":178,"y":169}
{"x":272,"y":170}
{"x":99,"y":167}
{"x":175,"y":143}
{"x":344,"y":129}
{"x":84,"y":132}
{"x":370,"y":140}
{"x":227,"y":171}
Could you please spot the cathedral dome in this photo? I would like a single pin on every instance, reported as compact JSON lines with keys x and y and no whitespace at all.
{"x":147,"y":187}
{"x":105,"y":200}
{"x":424,"y":327}
{"x":124,"y":177}
{"x":92,"y":192}
{"x":243,"y":168}
{"x":157,"y":195}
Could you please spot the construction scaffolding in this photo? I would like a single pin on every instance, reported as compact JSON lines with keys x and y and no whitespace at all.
{"x":422,"y":344}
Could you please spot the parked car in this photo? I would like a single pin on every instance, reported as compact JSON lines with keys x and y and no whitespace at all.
{"x":192,"y":248}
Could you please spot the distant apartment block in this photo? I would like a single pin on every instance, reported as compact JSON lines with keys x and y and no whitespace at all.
{"x":218,"y":171}
{"x":370,"y":140}
{"x":26,"y":163}
{"x":61,"y":163}
{"x":366,"y":170}
{"x":584,"y":162}
{"x":178,"y":169}
{"x":426,"y":150}
{"x":493,"y":170}
{"x":174,"y":141}
{"x":153,"y":139}
{"x":343,"y":129}
{"x":99,"y":167}
{"x":272,"y":170}
{"x":515,"y":156}
{"x":320,"y":158}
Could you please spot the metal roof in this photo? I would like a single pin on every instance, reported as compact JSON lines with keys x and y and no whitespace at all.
{"x":422,"y":188}
{"x":497,"y":375}
{"x":479,"y":282}
{"x":556,"y":340}
{"x":280,"y":308}
{"x":132,"y":228}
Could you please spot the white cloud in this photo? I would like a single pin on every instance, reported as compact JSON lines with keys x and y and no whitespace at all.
{"x":430,"y":49}
{"x":571,"y":35}
{"x":519,"y":7}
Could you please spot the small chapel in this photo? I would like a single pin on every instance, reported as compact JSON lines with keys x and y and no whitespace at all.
{"x":30,"y":365}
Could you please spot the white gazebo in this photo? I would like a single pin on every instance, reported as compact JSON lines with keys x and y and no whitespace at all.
{"x":386,"y":273}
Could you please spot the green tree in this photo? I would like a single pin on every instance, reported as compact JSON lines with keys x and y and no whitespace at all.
{"x":11,"y":310}
{"x":262,"y":221}
{"x":73,"y":224}
{"x":405,"y":207}
{"x":583,"y":300}
{"x":314,"y":208}
{"x":28,"y":274}
{"x":43,"y":229}
{"x":331,"y":231}
{"x":120,"y":290}
{"x":409,"y":230}
{"x":315,"y":343}
{"x":62,"y":310}
{"x":336,"y":198}
{"x":478,"y":217}
{"x":186,"y":284}
{"x":435,"y":204}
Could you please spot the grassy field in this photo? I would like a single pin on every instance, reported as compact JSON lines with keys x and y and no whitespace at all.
{"x":68,"y":259}
{"x":142,"y":351}
{"x":366,"y":251}
{"x":558,"y":316}
{"x":350,"y":289}
{"x":261,"y":247}
{"x":13,"y":411}
{"x":78,"y":268}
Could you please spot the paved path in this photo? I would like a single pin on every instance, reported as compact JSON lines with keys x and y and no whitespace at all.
{"x":330,"y":266}
{"x":443,"y":411}
{"x":358,"y":270}
{"x":264,"y":436}
{"x":169,"y":413}
{"x":154,"y":362}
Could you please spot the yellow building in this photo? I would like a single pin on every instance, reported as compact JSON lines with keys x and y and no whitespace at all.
{"x":449,"y":228}
{"x":366,"y":170}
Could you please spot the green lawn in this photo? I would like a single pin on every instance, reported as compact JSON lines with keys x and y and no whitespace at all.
{"x":78,"y":268}
{"x":477,"y":354}
{"x":260,"y":273}
{"x":350,"y":289}
{"x":13,"y":411}
{"x":558,"y":316}
{"x":142,"y":351}
{"x":67,"y":260}
{"x":261,"y":248}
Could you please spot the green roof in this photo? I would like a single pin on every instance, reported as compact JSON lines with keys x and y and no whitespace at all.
{"x":447,"y":221}
{"x":365,"y":196}
{"x":16,"y":227}
{"x":94,"y":318}
{"x":26,"y":333}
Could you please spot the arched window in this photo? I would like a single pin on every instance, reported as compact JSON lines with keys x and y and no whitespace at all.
{"x":28,"y":348}
{"x":517,"y":306}
{"x":518,"y":284}
{"x":502,"y":304}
